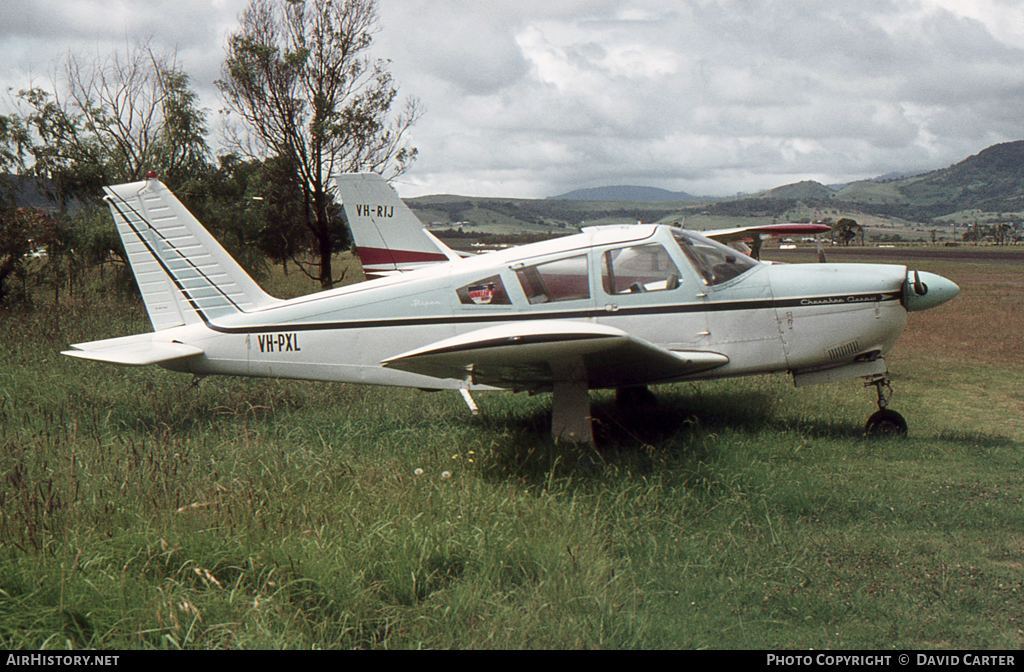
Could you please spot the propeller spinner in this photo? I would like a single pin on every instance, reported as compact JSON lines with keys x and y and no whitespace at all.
{"x":922,"y":290}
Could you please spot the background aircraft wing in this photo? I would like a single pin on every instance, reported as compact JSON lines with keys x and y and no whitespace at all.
{"x":528,"y":355}
{"x":756,"y":235}
{"x":748,"y":234}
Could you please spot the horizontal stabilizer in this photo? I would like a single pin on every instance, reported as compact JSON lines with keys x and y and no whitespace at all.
{"x":526,"y":356}
{"x":138,"y":350}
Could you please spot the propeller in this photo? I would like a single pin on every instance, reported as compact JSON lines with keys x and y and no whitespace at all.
{"x":919,"y":287}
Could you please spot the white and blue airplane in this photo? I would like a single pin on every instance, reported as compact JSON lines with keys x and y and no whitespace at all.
{"x":609,"y":308}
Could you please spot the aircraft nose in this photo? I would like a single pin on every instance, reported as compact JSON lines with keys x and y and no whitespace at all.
{"x":922,"y":290}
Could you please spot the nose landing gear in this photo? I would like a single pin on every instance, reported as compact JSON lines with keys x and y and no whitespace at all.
{"x":884,"y":421}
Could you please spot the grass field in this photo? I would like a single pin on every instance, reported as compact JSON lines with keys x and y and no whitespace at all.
{"x":138,"y":511}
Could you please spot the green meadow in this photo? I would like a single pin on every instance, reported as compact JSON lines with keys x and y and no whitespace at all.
{"x":142,"y":509}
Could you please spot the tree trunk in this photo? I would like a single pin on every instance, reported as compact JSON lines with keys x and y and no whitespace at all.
{"x":324,"y":243}
{"x":323,"y":232}
{"x":6,"y":271}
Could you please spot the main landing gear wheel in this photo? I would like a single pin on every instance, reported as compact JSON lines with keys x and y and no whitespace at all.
{"x":884,"y":421}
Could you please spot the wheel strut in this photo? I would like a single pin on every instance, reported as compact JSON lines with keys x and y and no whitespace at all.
{"x":884,"y":388}
{"x":884,"y":422}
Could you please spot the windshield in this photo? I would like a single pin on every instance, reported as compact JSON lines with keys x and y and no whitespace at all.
{"x":715,"y":263}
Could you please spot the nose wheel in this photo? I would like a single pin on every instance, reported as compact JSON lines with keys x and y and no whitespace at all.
{"x":884,"y":421}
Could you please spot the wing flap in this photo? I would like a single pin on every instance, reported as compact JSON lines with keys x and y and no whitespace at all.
{"x":138,"y":350}
{"x":527,"y":356}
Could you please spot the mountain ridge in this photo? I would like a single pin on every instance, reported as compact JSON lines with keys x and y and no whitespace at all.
{"x":626,"y":193}
{"x":991,"y":180}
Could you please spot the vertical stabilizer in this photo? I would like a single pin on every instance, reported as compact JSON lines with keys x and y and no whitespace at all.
{"x":185,"y":276}
{"x":389,"y":237}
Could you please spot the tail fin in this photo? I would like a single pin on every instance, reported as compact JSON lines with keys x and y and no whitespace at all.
{"x":389,"y":238}
{"x":185,"y":276}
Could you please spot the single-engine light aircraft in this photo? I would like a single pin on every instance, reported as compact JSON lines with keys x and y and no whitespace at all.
{"x":617,"y":307}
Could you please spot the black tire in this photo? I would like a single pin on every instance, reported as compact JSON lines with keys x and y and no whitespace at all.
{"x":886,"y":423}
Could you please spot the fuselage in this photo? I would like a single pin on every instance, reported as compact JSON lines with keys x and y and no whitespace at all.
{"x":673,"y":289}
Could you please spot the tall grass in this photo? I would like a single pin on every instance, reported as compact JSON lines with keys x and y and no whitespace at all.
{"x":139,"y":510}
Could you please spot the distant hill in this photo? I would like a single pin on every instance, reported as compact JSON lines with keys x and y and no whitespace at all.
{"x":893,"y":176}
{"x":32,"y":192}
{"x":992,"y":181}
{"x":871,"y":192}
{"x":502,"y":216}
{"x":807,"y":189}
{"x":621,"y":193}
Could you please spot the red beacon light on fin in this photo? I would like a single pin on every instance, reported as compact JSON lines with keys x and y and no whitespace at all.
{"x":151,"y":175}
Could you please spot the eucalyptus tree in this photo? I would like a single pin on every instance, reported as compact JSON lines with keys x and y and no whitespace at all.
{"x":847,"y":230}
{"x":14,"y":141}
{"x":299,"y":75}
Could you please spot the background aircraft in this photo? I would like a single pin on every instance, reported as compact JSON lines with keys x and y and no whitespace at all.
{"x":611,"y":307}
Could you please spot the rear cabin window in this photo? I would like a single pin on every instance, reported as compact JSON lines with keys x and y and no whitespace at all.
{"x":487,"y":292}
{"x":638,"y":269}
{"x":562,"y":280}
{"x":715,"y":263}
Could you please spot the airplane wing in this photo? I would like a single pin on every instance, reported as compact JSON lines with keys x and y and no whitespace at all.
{"x":756,"y":235}
{"x":527,"y":355}
{"x":137,"y":350}
{"x":748,"y":234}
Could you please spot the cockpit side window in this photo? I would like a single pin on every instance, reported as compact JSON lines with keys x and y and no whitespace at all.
{"x":715,"y":263}
{"x":638,"y":269}
{"x":487,"y":292}
{"x":562,"y":280}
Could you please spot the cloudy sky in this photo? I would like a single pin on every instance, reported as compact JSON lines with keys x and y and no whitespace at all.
{"x":532,"y":98}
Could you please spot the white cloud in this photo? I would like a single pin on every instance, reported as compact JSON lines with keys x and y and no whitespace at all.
{"x":531,"y":97}
{"x":718,"y":93}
